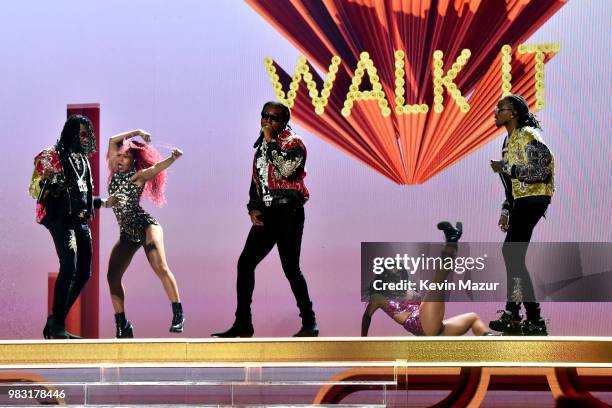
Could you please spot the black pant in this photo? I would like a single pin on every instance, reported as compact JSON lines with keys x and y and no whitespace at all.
{"x":73,"y":245}
{"x":523,"y":218}
{"x":283,"y":226}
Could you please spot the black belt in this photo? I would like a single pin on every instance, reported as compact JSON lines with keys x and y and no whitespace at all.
{"x":280,"y":201}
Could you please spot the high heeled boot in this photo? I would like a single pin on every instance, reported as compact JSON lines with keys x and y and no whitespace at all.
{"x":451,"y":234}
{"x":124,"y":328}
{"x":55,"y":330}
{"x":178,"y":320}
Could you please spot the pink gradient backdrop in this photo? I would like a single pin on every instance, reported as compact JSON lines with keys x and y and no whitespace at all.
{"x":192,"y":74}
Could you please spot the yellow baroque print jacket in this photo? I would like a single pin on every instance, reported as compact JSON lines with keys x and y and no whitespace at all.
{"x":528,"y":166}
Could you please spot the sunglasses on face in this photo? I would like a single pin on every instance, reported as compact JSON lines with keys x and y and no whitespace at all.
{"x":275,"y":118}
{"x":497,"y":110}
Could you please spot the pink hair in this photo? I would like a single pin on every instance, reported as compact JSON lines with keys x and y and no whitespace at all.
{"x":145,"y":156}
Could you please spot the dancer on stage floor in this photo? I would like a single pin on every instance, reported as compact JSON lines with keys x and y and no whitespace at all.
{"x":137,"y":170}
{"x":62,"y":185}
{"x":276,"y":208}
{"x":425,"y":316}
{"x":527,"y":173}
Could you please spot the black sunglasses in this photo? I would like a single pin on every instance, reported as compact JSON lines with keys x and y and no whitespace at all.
{"x":272,"y":117}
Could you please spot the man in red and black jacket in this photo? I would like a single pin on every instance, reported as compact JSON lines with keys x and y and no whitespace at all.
{"x":276,"y":207}
{"x":63,"y":186}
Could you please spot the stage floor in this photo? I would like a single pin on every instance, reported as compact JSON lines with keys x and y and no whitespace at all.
{"x":389,"y":371}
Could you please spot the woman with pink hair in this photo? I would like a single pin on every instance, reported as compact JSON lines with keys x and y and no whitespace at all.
{"x":136,"y":170}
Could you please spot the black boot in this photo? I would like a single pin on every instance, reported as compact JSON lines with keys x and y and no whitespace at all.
{"x":452,"y":234}
{"x":534,"y":327}
{"x":508,"y":323}
{"x":46,"y":331}
{"x":178,"y":321}
{"x":55,"y":330}
{"x":238,"y":329}
{"x":124,"y":328}
{"x":308,"y":330}
{"x":309,"y":327}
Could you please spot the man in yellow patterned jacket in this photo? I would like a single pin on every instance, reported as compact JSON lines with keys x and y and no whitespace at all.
{"x":527,"y":173}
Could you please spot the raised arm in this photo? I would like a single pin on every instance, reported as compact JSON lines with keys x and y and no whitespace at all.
{"x":115,"y":141}
{"x":149,"y":173}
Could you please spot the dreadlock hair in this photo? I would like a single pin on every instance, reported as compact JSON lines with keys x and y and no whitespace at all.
{"x":524,"y":117}
{"x":70,"y":139}
{"x":145,"y":156}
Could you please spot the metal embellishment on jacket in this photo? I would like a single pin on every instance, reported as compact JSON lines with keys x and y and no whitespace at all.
{"x":530,"y":164}
{"x":286,"y":157}
{"x":48,"y":161}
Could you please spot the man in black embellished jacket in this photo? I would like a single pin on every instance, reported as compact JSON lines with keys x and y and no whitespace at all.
{"x":276,"y":208}
{"x":62,"y":185}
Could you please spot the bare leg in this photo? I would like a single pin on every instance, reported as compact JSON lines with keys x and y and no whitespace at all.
{"x":460,"y":324}
{"x":119,"y":260}
{"x":156,"y":255}
{"x":432,"y":308}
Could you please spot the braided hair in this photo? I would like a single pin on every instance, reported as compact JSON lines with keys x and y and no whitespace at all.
{"x":524,"y":117}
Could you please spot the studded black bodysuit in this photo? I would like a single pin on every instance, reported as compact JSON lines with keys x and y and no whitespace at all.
{"x":133,"y":220}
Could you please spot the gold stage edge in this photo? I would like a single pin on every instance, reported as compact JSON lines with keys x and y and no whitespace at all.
{"x":326,"y":351}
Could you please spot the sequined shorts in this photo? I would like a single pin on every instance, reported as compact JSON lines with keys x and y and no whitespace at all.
{"x":135,"y":232}
{"x":413,"y":324}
